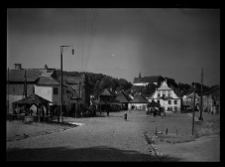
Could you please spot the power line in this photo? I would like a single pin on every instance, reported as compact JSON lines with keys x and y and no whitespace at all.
{"x":93,"y":28}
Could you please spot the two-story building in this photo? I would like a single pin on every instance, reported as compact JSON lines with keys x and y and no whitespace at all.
{"x":16,"y":87}
{"x":45,"y":83}
{"x":167,"y":97}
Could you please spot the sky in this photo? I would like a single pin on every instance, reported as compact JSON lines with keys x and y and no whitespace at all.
{"x":171,"y":42}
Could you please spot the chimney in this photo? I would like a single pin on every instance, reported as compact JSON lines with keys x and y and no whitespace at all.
{"x":18,"y":66}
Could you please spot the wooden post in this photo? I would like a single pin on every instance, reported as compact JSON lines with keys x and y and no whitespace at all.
{"x":193,"y":119}
{"x":201,"y":108}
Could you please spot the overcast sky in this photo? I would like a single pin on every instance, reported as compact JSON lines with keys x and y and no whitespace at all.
{"x":175,"y":43}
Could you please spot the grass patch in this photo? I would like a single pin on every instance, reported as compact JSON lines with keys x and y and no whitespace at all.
{"x":208,"y":128}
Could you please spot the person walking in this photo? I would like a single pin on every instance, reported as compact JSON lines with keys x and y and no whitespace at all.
{"x":107,"y":110}
{"x":125,"y":116}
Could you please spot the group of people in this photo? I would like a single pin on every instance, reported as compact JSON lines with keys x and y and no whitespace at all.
{"x":155,"y":111}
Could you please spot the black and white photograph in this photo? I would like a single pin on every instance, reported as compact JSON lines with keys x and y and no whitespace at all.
{"x":113,"y":84}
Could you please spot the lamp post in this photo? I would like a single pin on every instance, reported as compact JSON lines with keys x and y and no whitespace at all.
{"x":61,"y":77}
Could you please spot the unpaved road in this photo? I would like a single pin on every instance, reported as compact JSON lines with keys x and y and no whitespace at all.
{"x":99,"y":139}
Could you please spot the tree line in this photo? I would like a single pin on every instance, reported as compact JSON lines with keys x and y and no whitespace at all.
{"x":97,"y":82}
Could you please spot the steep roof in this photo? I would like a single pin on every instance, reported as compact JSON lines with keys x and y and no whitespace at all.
{"x":107,"y":92}
{"x":149,"y":79}
{"x":18,"y":75}
{"x":33,"y":99}
{"x":123,"y":98}
{"x":47,"y":80}
{"x":164,"y":86}
{"x":73,"y":80}
{"x":139,"y":99}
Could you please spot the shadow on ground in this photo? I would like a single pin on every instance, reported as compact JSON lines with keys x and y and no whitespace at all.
{"x":100,"y":153}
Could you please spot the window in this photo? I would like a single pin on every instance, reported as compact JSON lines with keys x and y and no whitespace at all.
{"x":55,"y":91}
{"x":175,"y":102}
{"x":169,"y":102}
{"x":158,"y":94}
{"x":158,"y":101}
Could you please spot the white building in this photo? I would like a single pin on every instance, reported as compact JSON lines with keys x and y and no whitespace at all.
{"x":189,"y":99}
{"x":49,"y":88}
{"x":144,"y":81}
{"x":138,"y":103}
{"x":166,"y":97}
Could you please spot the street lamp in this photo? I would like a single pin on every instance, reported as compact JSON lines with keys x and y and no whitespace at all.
{"x":61,"y":76}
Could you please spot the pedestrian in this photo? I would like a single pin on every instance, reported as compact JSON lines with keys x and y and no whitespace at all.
{"x":107,"y":112}
{"x":125,"y":116}
{"x":154,"y":112}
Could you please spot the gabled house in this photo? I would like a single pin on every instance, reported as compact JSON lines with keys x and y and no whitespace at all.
{"x":167,"y":97}
{"x":188,"y":100}
{"x":138,"y":103}
{"x":80,"y":96}
{"x":16,"y":83}
{"x":44,"y":83}
{"x":124,"y":99}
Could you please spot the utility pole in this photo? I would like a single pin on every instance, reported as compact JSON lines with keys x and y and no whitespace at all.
{"x":193,"y":117}
{"x":61,"y":82}
{"x":79,"y":100}
{"x":8,"y":91}
{"x":61,"y":78}
{"x":200,"y":118}
{"x":25,"y":89}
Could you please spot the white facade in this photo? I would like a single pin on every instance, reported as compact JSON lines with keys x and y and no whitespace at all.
{"x":143,"y":83}
{"x":189,"y":99}
{"x":167,"y":98}
{"x":52,"y":93}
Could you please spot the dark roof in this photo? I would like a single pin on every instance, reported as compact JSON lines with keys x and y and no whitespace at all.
{"x":33,"y":99}
{"x":150,"y":79}
{"x":123,"y":98}
{"x":18,"y":75}
{"x":115,"y":101}
{"x":45,"y":80}
{"x":106,"y":92}
{"x":139,"y":99}
{"x":73,"y":80}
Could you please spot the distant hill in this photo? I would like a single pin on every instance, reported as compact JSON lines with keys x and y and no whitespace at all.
{"x":97,"y":82}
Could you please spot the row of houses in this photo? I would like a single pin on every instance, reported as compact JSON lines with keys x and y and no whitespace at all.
{"x":171,"y":99}
{"x":163,"y":95}
{"x":44,"y":82}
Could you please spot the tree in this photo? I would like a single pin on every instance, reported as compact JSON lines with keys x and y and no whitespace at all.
{"x":149,"y":89}
{"x":171,"y":81}
{"x":106,"y":82}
